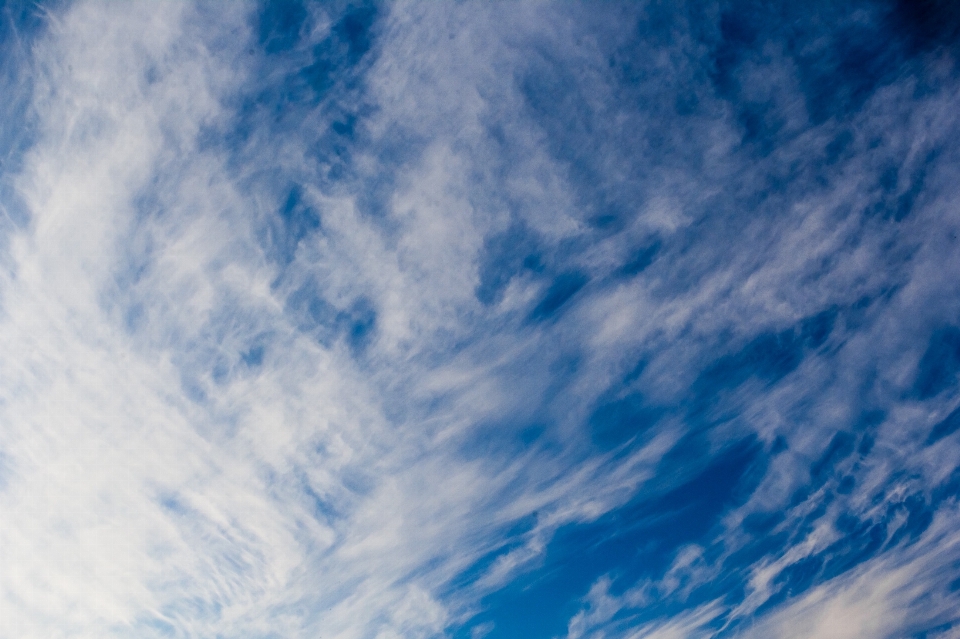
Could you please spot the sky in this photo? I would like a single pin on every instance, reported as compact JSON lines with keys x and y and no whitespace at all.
{"x":479,"y":320}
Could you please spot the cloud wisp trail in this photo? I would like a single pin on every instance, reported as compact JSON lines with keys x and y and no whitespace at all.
{"x":479,"y":320}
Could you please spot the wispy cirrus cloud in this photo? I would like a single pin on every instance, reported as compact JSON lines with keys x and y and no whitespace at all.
{"x":424,"y":319}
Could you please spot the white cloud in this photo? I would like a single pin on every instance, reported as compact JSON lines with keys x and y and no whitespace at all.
{"x":885,"y":598}
{"x":156,"y":484}
{"x":153,"y":482}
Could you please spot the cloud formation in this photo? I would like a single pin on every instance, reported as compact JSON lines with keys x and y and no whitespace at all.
{"x":479,"y":320}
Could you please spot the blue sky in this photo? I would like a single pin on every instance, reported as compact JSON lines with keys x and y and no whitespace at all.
{"x":480,"y":320}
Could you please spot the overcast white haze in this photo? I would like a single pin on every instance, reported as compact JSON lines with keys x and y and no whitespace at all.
{"x":479,"y":319}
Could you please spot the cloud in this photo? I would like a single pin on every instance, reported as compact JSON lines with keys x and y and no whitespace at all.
{"x":142,"y":311}
{"x":422,"y":319}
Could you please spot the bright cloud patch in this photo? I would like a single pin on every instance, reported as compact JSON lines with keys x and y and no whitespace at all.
{"x":423,"y":319}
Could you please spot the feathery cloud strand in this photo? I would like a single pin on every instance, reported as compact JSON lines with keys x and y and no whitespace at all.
{"x":476,"y":320}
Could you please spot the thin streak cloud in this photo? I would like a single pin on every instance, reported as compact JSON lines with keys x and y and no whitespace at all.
{"x":401,"y":319}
